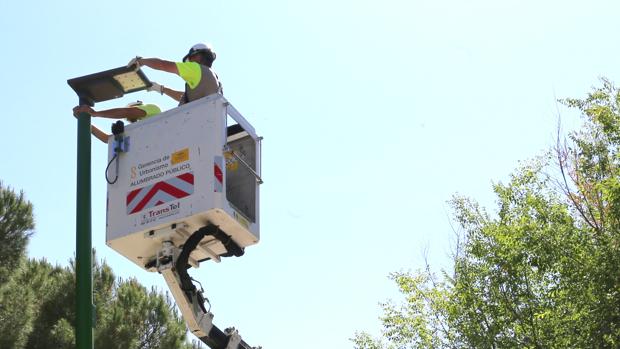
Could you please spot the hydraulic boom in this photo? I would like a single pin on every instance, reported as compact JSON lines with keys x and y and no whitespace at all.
{"x":172,"y":262}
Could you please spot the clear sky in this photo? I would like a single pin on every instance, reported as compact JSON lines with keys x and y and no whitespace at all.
{"x":373,"y":113}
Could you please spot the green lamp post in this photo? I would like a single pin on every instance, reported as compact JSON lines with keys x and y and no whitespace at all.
{"x":90,"y":89}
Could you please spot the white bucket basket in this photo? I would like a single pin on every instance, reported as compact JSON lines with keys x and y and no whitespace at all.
{"x":183,"y":169}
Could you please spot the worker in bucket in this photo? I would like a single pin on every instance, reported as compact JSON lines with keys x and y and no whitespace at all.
{"x":200,"y":79}
{"x":133,"y":112}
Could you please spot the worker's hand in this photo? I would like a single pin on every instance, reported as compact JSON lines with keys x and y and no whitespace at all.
{"x":156,"y":87}
{"x":134,"y":61}
{"x":83,"y":109}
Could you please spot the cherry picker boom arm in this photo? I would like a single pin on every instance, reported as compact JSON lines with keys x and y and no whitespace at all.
{"x":172,"y":262}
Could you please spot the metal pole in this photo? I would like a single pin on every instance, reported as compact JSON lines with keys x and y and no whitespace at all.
{"x":83,"y":241}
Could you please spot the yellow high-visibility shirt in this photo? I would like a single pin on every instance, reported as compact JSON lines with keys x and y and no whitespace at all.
{"x":149,"y":109}
{"x":190,"y":72}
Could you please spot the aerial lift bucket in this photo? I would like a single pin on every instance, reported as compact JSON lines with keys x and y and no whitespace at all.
{"x":184,"y":188}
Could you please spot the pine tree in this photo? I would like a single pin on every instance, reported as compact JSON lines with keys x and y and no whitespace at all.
{"x":16,"y":225}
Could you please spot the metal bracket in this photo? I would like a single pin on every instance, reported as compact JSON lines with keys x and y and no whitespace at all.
{"x":233,"y":338}
{"x":166,"y":233}
{"x":258,"y":178}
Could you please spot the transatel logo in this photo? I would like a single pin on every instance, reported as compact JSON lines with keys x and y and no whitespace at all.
{"x":160,"y":193}
{"x":160,"y":212}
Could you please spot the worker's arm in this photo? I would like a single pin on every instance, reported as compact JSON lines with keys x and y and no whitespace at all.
{"x":102,"y":136}
{"x":120,"y":113}
{"x":159,"y":64}
{"x":189,"y":71}
{"x":114,"y":113}
{"x":191,"y":76}
{"x":174,"y":94}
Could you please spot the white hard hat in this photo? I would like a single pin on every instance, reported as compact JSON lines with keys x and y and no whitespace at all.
{"x":201,"y":48}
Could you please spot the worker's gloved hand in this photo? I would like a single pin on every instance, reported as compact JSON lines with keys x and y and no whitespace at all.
{"x":134,"y":61}
{"x":83,"y":109}
{"x":156,"y":87}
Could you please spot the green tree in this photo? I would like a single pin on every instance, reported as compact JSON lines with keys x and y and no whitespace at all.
{"x":37,"y":299}
{"x":38,"y":311}
{"x":55,"y":302}
{"x":24,"y":300}
{"x":16,"y":225}
{"x":137,"y":318}
{"x":542,"y":271}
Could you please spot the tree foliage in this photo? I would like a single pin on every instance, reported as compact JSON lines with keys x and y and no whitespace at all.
{"x":542,"y":271}
{"x":140,"y":319}
{"x":38,"y":311}
{"x":16,"y":225}
{"x":37,"y":299}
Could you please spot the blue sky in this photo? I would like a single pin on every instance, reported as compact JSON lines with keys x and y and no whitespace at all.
{"x":373,"y":115}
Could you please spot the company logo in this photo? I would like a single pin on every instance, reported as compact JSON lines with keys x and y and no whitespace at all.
{"x":160,"y":213}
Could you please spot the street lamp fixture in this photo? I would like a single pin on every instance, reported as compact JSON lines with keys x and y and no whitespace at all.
{"x":109,"y":84}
